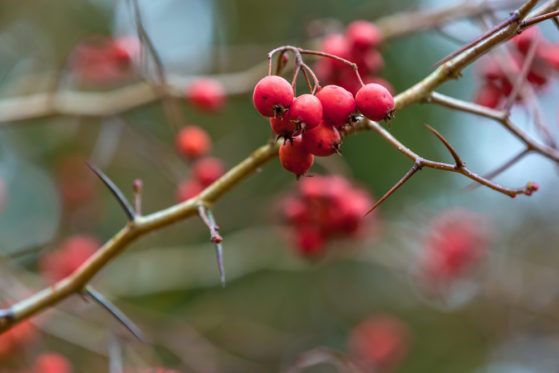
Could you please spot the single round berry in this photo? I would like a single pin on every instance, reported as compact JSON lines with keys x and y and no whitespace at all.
{"x":363,"y":35}
{"x":337,"y":45}
{"x":207,"y":170}
{"x":207,"y":95}
{"x":188,"y":189}
{"x":322,"y":140}
{"x":272,"y":95}
{"x":124,"y":49}
{"x":310,"y":242}
{"x":294,"y":157}
{"x":306,"y":111}
{"x":73,"y":252}
{"x":283,"y":127}
{"x":337,"y":104}
{"x":374,"y":102}
{"x":369,"y":62}
{"x":52,"y":363}
{"x":193,"y":142}
{"x":488,"y":95}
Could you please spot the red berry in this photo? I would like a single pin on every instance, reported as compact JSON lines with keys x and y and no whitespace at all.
{"x":323,"y":140}
{"x":282,"y":126}
{"x":379,"y":343}
{"x":488,"y":95}
{"x":383,"y":82}
{"x":523,"y":40}
{"x":550,"y":55}
{"x":309,"y":242}
{"x":368,"y":62}
{"x":19,"y":335}
{"x":362,"y":35}
{"x":52,"y":363}
{"x":188,"y":189}
{"x":306,"y":111}
{"x":206,"y":94}
{"x":374,"y":102}
{"x":272,"y":95}
{"x":207,"y":170}
{"x":193,"y":142}
{"x":294,"y":157}
{"x":337,"y":104}
{"x":125,"y":49}
{"x":337,"y":45}
{"x":76,"y":183}
{"x":73,"y":252}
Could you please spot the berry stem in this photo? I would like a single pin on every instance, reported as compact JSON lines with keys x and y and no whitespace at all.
{"x":336,"y":58}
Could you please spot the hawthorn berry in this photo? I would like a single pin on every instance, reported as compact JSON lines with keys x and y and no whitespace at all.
{"x":337,"y":45}
{"x":206,"y":94}
{"x":272,"y":95}
{"x":294,"y":157}
{"x":524,"y":40}
{"x":283,"y":126}
{"x":375,"y":102}
{"x":488,"y":95}
{"x":73,"y":252}
{"x":379,"y":343}
{"x":52,"y":363}
{"x":207,"y":170}
{"x":363,"y":35}
{"x":337,"y":104}
{"x":309,"y":242}
{"x":16,"y":337}
{"x":193,"y":142}
{"x":124,"y":49}
{"x":306,"y":111}
{"x":322,"y":140}
{"x":188,"y":189}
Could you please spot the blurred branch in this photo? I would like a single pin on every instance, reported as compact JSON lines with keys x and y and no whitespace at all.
{"x":141,"y":225}
{"x":80,"y":103}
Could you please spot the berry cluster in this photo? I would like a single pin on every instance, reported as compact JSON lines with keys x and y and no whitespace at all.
{"x":379,"y":343}
{"x":359,"y":44}
{"x":73,"y":252}
{"x":497,"y":84}
{"x":455,"y":242}
{"x":104,"y":59}
{"x":323,"y":208}
{"x":195,"y":144}
{"x":312,"y":123}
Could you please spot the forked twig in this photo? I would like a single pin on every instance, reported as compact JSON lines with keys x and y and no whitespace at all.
{"x":207,"y":217}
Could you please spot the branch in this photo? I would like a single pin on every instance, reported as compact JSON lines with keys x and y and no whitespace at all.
{"x":141,"y":225}
{"x":498,"y":116}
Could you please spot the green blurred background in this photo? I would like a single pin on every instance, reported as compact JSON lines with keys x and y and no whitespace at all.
{"x":275,"y":305}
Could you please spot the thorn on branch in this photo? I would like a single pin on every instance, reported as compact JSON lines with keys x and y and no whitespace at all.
{"x":117,"y":193}
{"x":459,"y":162}
{"x":117,"y":313}
{"x":137,"y":187}
{"x":416,"y":167}
{"x":491,"y":175}
{"x":207,"y":217}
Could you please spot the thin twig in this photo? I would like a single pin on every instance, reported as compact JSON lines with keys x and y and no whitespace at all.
{"x":459,"y":162}
{"x":416,"y":167}
{"x":137,"y":187}
{"x":117,"y":193}
{"x":207,"y":217}
{"x":505,"y":166}
{"x":118,"y":314}
{"x":532,"y":21}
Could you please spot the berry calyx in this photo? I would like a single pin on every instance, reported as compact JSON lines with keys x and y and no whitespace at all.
{"x":363,"y":35}
{"x":207,"y":170}
{"x":193,"y":142}
{"x":294,"y":157}
{"x":283,"y":126}
{"x":272,"y":96}
{"x":337,"y":104}
{"x":375,"y":102}
{"x":206,"y":94}
{"x":306,"y":111}
{"x":322,"y":140}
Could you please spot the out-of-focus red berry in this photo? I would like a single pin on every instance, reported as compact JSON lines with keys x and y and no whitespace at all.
{"x":188,"y":189}
{"x":76,"y":183}
{"x":337,"y":45}
{"x":488,"y":95}
{"x":206,"y":94}
{"x":379,"y":344}
{"x":71,"y":254}
{"x":16,"y":337}
{"x":207,"y":170}
{"x":193,"y":142}
{"x":523,"y":40}
{"x":309,"y":242}
{"x":52,"y":363}
{"x":363,"y":35}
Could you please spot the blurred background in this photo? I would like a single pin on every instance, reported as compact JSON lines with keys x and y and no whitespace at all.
{"x":500,"y":316}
